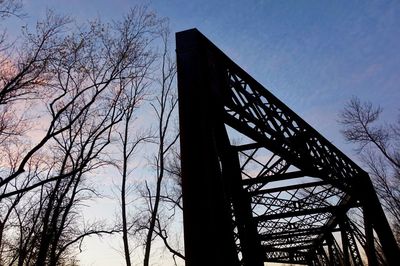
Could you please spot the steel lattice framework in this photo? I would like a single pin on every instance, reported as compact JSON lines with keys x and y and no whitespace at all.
{"x":259,"y":183}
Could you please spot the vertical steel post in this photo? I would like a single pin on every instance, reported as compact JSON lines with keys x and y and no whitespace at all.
{"x":207,"y":231}
{"x":329,"y":242}
{"x":374,"y":214}
{"x":369,"y":239}
{"x":250,"y":243}
{"x":345,"y":244}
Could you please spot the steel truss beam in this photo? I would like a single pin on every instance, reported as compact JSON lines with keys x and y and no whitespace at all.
{"x":281,"y":195}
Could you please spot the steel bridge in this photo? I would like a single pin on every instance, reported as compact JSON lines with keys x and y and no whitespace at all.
{"x":260,"y":184}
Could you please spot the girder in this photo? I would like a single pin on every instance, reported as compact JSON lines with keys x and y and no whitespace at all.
{"x":281,"y":192}
{"x":271,"y":178}
{"x":303,"y":212}
{"x":291,"y":187}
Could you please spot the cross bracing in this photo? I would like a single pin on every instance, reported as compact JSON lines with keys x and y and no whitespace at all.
{"x":282,"y":194}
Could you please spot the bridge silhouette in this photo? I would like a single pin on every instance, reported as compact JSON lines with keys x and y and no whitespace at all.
{"x":283,"y":193}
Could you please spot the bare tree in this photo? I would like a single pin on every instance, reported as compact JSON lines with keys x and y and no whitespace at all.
{"x":78,"y":79}
{"x":378,"y":144}
{"x":10,"y":8}
{"x":164,"y":107}
{"x":25,"y":79}
{"x":87,"y":68}
{"x":130,"y":140}
{"x":23,"y":74}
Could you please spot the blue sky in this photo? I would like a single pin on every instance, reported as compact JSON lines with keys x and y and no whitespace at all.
{"x":313,"y":55}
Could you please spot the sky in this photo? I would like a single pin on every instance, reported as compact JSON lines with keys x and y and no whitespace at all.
{"x":312,"y":55}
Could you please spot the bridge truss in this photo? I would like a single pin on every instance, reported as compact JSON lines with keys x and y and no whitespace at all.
{"x":260,"y":184}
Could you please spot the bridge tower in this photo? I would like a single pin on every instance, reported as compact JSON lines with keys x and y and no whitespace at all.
{"x":261,"y":185}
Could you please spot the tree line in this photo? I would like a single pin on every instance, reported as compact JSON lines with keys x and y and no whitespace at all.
{"x":70,"y":99}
